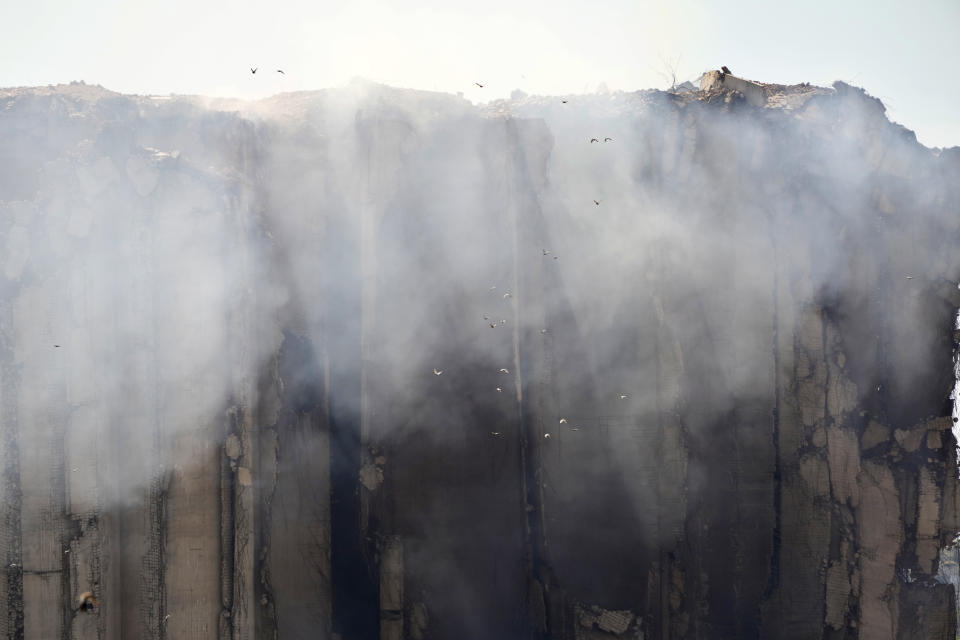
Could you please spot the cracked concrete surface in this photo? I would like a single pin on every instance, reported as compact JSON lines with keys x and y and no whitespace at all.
{"x":757,"y":437}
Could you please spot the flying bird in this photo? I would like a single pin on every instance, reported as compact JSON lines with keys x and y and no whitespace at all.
{"x":493,"y":325}
{"x":543,"y":330}
{"x":909,"y":277}
{"x":56,"y":346}
{"x":564,"y":101}
{"x":574,"y":428}
{"x":596,"y":202}
{"x":436,"y":371}
{"x":545,"y":252}
{"x":503,"y":321}
{"x":563,"y":421}
{"x":280,"y":71}
{"x":494,"y":433}
{"x":623,"y":396}
{"x":486,"y":317}
{"x":726,"y":71}
{"x":493,"y":288}
{"x":546,"y":435}
{"x":608,"y":139}
{"x":507,"y":295}
{"x":478,"y":84}
{"x":86,"y":601}
{"x":592,"y":140}
{"x":504,"y":371}
{"x":499,"y":390}
{"x":253,"y":69}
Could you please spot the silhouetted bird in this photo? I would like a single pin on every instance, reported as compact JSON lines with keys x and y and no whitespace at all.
{"x":86,"y":601}
{"x":478,"y":84}
{"x":56,"y":346}
{"x":564,"y":101}
{"x":253,"y":69}
{"x":725,"y":70}
{"x":545,"y":252}
{"x":592,"y":140}
{"x":608,"y":139}
{"x":280,"y":71}
{"x":596,"y":202}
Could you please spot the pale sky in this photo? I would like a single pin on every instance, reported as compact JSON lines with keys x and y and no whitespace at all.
{"x":902,"y":52}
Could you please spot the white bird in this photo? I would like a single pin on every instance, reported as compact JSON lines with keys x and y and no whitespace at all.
{"x":499,"y":390}
{"x":507,"y":295}
{"x":494,"y":433}
{"x":563,"y":421}
{"x":909,"y":277}
{"x":543,"y":330}
{"x":546,"y":435}
{"x":623,"y":396}
{"x":503,"y":321}
{"x":504,"y":371}
{"x":575,"y":429}
{"x":494,"y":288}
{"x":493,"y":325}
{"x":545,"y":252}
{"x":437,"y":372}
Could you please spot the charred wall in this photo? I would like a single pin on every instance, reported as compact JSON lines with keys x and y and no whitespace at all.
{"x":372,"y":363}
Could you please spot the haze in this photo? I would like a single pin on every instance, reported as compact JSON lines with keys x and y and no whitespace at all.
{"x":900,"y":52}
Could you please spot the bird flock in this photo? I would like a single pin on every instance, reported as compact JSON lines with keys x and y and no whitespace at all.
{"x":494,"y":323}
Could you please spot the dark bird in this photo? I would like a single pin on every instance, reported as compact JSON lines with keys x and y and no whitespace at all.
{"x":86,"y":601}
{"x":596,"y":202}
{"x":726,"y":71}
{"x":608,"y":139}
{"x":478,"y":84}
{"x":253,"y":69}
{"x":280,"y":71}
{"x":592,"y":140}
{"x":564,"y":101}
{"x":56,"y":346}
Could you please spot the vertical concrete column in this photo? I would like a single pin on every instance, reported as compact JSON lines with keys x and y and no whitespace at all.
{"x":391,"y":589}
